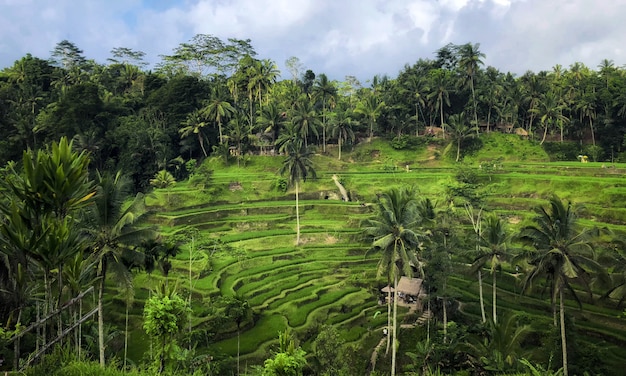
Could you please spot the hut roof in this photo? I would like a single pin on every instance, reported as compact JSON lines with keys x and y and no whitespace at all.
{"x":408,"y":286}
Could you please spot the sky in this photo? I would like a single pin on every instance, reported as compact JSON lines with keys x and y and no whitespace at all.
{"x":360,"y":38}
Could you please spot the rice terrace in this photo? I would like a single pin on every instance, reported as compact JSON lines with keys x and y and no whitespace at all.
{"x":454,"y":220}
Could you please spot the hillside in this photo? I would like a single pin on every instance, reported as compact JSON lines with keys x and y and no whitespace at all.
{"x":238,"y":229}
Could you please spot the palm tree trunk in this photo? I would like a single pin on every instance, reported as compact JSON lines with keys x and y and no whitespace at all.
{"x":394,"y":347}
{"x":324,"y":124}
{"x":493,"y":286}
{"x":480,"y":295}
{"x":458,"y":149}
{"x":388,"y":315}
{"x":201,"y":140}
{"x":443,"y":128}
{"x":339,"y":145}
{"x":474,"y":101}
{"x":593,"y":137}
{"x":297,"y":217}
{"x":126,"y":336}
{"x":237,"y":349}
{"x":101,"y":313}
{"x":545,"y":133}
{"x":563,"y":339}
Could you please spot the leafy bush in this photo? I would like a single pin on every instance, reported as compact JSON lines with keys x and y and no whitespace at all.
{"x":407,"y":142}
{"x":562,"y":151}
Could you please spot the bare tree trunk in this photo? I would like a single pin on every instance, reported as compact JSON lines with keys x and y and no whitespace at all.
{"x":480,"y":295}
{"x":394,"y":348}
{"x":493,"y":286}
{"x":101,"y":313}
{"x":388,"y":315}
{"x":297,"y":217}
{"x":563,"y":339}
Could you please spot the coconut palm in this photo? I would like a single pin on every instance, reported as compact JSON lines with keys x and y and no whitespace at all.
{"x":218,"y":110}
{"x":298,"y":165}
{"x":271,"y":120}
{"x":550,"y":111}
{"x":561,"y":252}
{"x":470,"y":62}
{"x":325,"y":90}
{"x":394,"y":233}
{"x":342,"y":123}
{"x":460,"y":130}
{"x":194,"y":123}
{"x":493,"y":249}
{"x":305,"y":119}
{"x":112,"y":228}
{"x":370,"y":107}
{"x":440,"y":83}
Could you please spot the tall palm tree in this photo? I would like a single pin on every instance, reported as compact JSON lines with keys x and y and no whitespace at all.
{"x":194,"y":123}
{"x":298,"y":165}
{"x":550,"y":111}
{"x":305,"y":118}
{"x":370,"y":107}
{"x":470,"y":61}
{"x":561,"y":252}
{"x":271,"y":120}
{"x":113,"y":229}
{"x":394,"y":233}
{"x":439,"y":86}
{"x":218,"y":110}
{"x":325,"y":90}
{"x":342,"y":123}
{"x":460,"y":130}
{"x":493,"y":249}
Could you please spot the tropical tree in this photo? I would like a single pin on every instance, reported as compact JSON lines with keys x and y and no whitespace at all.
{"x":394,"y":233}
{"x":561,"y":252}
{"x":194,"y":123}
{"x":550,"y":111}
{"x":460,"y":130}
{"x":305,"y":119}
{"x":271,"y":121}
{"x":370,"y":107}
{"x":440,"y":83}
{"x":113,"y":230}
{"x":469,"y":61}
{"x":493,"y":249}
{"x":325,"y":90}
{"x":342,"y":123}
{"x":238,"y":309}
{"x":298,"y":165}
{"x":218,"y":110}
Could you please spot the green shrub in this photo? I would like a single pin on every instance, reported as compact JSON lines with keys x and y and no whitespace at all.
{"x":562,"y":151}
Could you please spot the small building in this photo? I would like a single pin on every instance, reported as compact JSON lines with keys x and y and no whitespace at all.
{"x":411,"y":292}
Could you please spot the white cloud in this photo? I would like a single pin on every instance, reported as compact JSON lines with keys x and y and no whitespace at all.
{"x":339,"y":38}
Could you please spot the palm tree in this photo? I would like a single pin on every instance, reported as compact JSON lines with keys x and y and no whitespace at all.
{"x":394,"y":234}
{"x":305,"y":118}
{"x":112,"y":228}
{"x":469,"y":61}
{"x":299,"y":166}
{"x":194,"y":123}
{"x":238,"y":309}
{"x":271,"y":120}
{"x":587,"y":107}
{"x":439,"y":86}
{"x":218,"y":110}
{"x":460,"y":130}
{"x":370,"y":107}
{"x":342,"y":127}
{"x":501,"y":348}
{"x":493,"y":250}
{"x":550,"y":111}
{"x":561,"y":252}
{"x":325,"y":90}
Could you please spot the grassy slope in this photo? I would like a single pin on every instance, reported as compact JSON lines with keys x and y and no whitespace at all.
{"x":327,"y":278}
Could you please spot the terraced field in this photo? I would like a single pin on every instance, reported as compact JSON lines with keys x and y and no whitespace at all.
{"x":244,"y":243}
